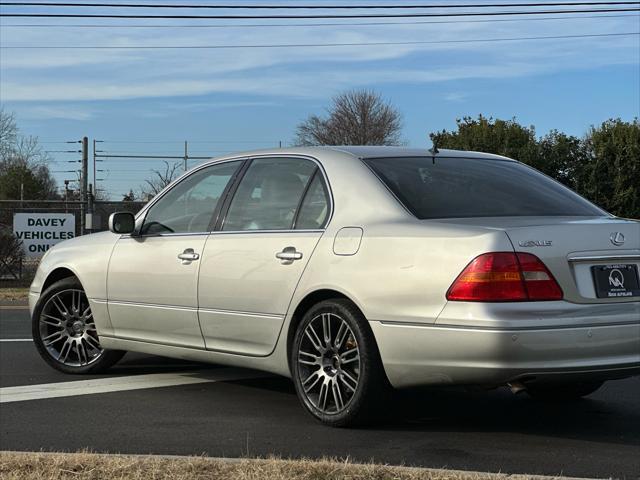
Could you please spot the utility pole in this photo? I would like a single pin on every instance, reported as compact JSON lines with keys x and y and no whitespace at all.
{"x":66,"y":196}
{"x":92,"y":217}
{"x":84,"y":181}
{"x":95,"y":159}
{"x":94,"y":162}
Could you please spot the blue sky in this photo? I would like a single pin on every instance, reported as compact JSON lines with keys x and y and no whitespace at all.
{"x":150,"y":101}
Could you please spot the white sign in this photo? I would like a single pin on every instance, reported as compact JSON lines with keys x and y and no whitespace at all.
{"x":41,"y":231}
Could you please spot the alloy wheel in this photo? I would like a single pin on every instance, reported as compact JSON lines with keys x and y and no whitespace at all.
{"x":328,"y":363}
{"x":68,"y":331}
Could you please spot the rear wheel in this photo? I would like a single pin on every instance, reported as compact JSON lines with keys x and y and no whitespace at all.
{"x":336,"y":366}
{"x":563,"y":391}
{"x":64,"y":331}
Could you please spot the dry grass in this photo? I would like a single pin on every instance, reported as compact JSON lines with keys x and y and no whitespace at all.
{"x":14,"y":294}
{"x":89,"y":466}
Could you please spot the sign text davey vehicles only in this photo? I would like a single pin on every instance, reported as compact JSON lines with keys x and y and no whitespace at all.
{"x":41,"y":231}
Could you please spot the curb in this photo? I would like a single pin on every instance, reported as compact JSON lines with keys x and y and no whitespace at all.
{"x":14,"y":306}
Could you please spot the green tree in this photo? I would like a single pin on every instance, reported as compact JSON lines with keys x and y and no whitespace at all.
{"x":562,"y":157}
{"x":502,"y":137}
{"x":611,"y":176}
{"x":17,"y":181}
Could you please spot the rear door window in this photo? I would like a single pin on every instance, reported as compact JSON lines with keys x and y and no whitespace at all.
{"x":269,"y":194}
{"x":462,"y":187}
{"x":315,"y":205}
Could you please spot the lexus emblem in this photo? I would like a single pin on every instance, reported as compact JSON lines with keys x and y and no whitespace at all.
{"x":617,"y":238}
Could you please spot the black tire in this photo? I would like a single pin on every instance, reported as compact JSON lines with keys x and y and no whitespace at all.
{"x":90,"y":359}
{"x":563,"y":391}
{"x":359,"y":405}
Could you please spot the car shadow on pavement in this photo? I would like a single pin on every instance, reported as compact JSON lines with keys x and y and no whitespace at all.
{"x":140,"y":364}
{"x":610,"y":415}
{"x":606,"y":416}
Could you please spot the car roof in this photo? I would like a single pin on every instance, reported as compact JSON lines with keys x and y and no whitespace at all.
{"x":368,"y":151}
{"x":373,"y":151}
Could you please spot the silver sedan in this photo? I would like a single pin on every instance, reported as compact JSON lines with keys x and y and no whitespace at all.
{"x":353,"y":270}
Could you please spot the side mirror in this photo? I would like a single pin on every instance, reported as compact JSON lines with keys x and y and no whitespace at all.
{"x":122,"y":222}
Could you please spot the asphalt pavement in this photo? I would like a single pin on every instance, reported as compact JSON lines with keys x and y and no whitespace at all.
{"x":221,"y":413}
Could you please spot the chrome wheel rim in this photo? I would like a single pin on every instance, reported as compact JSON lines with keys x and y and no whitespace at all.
{"x":328,"y":363}
{"x":68,"y":331}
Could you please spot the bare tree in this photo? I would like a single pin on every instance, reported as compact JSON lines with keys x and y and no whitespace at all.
{"x":23,"y":163}
{"x":160,"y":179}
{"x":8,"y":134}
{"x":357,"y":117}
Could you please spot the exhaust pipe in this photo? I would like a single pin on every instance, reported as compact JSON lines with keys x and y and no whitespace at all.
{"x":517,"y":387}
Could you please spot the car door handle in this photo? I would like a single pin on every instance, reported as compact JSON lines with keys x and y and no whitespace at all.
{"x":188,"y":256}
{"x":288,"y":255}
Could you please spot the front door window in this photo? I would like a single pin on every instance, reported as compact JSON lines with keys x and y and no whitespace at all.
{"x":189,"y":206}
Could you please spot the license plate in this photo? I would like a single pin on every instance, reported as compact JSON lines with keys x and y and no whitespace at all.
{"x":614,"y":281}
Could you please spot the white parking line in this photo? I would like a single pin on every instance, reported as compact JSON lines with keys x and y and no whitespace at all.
{"x":119,"y":384}
{"x":16,"y":340}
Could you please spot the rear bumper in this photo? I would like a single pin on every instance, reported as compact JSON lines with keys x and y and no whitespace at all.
{"x":421,"y":354}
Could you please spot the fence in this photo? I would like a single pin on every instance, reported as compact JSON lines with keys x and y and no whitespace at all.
{"x":15,"y":269}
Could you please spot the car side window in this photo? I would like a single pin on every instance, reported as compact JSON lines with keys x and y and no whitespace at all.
{"x":315,"y":206}
{"x":189,"y":206}
{"x":269,"y":194}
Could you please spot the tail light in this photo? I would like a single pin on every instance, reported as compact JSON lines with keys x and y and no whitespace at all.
{"x":505,"y":277}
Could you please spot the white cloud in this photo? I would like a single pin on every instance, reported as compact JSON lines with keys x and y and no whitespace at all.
{"x":454,"y":97}
{"x":290,"y":84}
{"x":85,"y":75}
{"x":59,"y":112}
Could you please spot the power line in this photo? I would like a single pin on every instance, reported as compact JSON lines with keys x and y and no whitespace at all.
{"x":318,"y":16}
{"x":155,"y":152}
{"x":191,"y":141}
{"x":306,"y":45}
{"x":288,"y":25}
{"x":129,"y":170}
{"x":311,"y":7}
{"x":159,"y":157}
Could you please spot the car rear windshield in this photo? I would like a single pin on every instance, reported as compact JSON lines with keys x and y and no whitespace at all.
{"x":447,"y":187}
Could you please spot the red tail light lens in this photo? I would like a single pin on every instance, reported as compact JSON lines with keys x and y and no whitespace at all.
{"x":505,"y":277}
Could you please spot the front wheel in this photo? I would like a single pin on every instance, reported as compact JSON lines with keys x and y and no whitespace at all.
{"x":336,"y":367}
{"x":564,"y":391}
{"x":64,"y":331}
